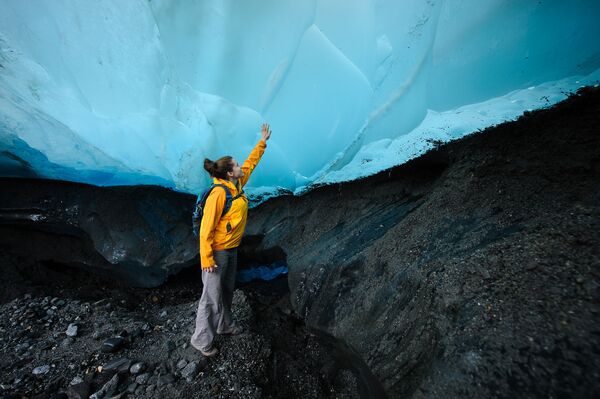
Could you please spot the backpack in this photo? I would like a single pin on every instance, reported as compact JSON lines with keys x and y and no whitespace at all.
{"x":201,"y":202}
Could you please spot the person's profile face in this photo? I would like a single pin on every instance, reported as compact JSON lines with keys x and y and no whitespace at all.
{"x":236,"y":171}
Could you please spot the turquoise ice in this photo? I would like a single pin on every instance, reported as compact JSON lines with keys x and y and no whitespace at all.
{"x":139,"y":92}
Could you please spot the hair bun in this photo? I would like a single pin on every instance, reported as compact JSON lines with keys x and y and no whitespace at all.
{"x":209,"y":166}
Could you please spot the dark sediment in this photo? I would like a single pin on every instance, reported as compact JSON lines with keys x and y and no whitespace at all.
{"x":472,"y":271}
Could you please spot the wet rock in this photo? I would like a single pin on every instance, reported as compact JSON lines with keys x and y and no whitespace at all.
{"x":113,"y":344}
{"x":72,"y":330}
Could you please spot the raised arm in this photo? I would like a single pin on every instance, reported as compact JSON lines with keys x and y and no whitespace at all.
{"x":255,"y":156}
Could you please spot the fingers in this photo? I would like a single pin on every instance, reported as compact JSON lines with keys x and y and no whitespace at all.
{"x":211,"y":269}
{"x":266,"y":130}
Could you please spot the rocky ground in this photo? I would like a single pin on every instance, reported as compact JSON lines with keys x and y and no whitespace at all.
{"x":119,"y":343}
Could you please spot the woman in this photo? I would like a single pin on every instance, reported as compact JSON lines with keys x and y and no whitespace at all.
{"x":220,"y":235}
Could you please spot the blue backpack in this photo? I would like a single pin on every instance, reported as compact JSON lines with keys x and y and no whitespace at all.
{"x":201,"y":202}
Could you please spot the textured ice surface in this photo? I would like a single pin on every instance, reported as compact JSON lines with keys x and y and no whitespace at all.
{"x":139,"y":92}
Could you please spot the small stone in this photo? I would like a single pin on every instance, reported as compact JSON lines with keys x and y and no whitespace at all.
{"x":67,"y":342}
{"x":150,"y":389}
{"x":137,"y":368}
{"x":181,"y":364}
{"x":190,"y":371}
{"x":120,"y":365}
{"x":163,"y":314}
{"x":113,"y":344}
{"x":72,"y":330}
{"x":76,"y":380}
{"x":41,"y":370}
{"x":142,"y":378}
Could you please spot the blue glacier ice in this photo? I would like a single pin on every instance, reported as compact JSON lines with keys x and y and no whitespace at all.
{"x":139,"y":92}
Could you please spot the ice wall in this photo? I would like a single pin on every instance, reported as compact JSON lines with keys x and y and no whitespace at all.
{"x":139,"y":92}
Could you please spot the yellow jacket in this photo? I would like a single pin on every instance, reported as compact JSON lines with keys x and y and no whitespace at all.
{"x":214,"y":231}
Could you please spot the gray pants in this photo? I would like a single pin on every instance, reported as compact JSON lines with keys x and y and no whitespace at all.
{"x":214,"y":309}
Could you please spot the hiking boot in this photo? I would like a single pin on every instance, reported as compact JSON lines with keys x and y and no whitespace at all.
{"x":210,"y":353}
{"x":192,"y":349}
{"x":235,"y":330}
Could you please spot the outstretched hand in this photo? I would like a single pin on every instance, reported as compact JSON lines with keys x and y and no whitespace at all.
{"x":266,"y":132}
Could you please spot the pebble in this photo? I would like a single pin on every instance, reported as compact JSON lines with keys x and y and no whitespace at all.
{"x":142,"y":378}
{"x":41,"y":370}
{"x":76,"y":380}
{"x":190,"y":371}
{"x":137,"y":368}
{"x":120,"y":365}
{"x":113,"y":344}
{"x":181,"y":364}
{"x":72,"y":330}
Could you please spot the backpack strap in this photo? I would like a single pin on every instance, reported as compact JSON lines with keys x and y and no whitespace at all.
{"x":228,"y":198}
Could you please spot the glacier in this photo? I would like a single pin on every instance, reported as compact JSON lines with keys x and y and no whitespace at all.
{"x":139,"y":92}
